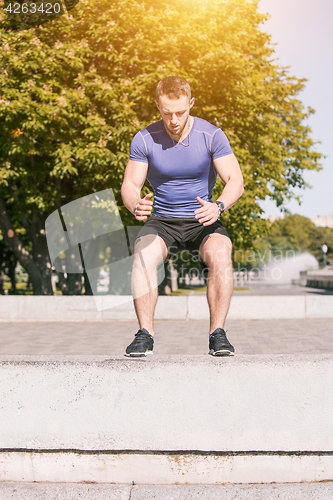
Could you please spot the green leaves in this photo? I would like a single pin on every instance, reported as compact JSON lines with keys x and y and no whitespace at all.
{"x":297,"y":234}
{"x":75,"y":91}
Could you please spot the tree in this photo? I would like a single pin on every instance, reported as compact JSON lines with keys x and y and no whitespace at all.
{"x":288,"y":236}
{"x":8,"y":263}
{"x":299,"y":234}
{"x":76,"y":90}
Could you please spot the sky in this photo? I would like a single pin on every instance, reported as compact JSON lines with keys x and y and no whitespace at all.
{"x":302,"y":31}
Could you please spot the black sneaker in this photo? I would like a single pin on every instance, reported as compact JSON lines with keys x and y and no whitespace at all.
{"x":219,"y":345}
{"x":142,"y":344}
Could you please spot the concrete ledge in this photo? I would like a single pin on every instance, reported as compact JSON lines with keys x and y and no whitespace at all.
{"x":33,"y":491}
{"x":174,"y":419}
{"x":320,"y":280}
{"x":172,"y":308}
{"x":252,"y":307}
{"x":120,"y":308}
{"x":41,"y":308}
{"x":163,"y":469}
{"x":319,"y":306}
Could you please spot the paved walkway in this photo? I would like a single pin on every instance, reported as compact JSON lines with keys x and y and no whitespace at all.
{"x":287,"y":336}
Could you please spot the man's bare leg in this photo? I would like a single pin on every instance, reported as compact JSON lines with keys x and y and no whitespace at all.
{"x":215,"y":251}
{"x":150,"y":251}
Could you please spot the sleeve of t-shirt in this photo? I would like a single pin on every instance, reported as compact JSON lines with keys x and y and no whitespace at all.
{"x":220,"y":145}
{"x":138,"y":150}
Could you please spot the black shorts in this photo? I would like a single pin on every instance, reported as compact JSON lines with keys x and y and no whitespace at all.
{"x":181,"y":234}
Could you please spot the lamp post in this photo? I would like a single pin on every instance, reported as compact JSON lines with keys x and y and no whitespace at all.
{"x":324,"y":249}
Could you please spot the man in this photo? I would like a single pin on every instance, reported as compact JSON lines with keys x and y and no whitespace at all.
{"x":181,"y":156}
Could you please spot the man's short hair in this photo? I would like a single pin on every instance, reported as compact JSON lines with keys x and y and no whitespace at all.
{"x":173,"y":87}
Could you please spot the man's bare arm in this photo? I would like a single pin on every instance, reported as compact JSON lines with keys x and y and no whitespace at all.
{"x":229,"y":170}
{"x":134,"y":178}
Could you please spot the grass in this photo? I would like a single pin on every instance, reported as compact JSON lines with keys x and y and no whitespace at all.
{"x":186,"y":291}
{"x":20,"y":288}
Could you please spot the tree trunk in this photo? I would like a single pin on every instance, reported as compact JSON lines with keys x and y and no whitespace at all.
{"x":87,"y":287}
{"x":75,"y":283}
{"x":2,"y":275}
{"x":40,"y":251}
{"x":165,"y":286}
{"x":11,"y":272}
{"x":71,"y":284}
{"x":39,"y":272}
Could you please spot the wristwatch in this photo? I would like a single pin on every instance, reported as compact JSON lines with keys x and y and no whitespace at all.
{"x":221,"y":206}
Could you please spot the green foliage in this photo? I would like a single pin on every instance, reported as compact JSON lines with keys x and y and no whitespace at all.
{"x":298,"y":233}
{"x":25,"y":15}
{"x":293,"y":233}
{"x":76,"y":90}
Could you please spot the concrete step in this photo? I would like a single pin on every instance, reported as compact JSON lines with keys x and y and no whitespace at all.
{"x":66,"y":491}
{"x":166,"y":419}
{"x":120,"y":307}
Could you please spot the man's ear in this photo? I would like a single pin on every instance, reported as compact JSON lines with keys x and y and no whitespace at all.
{"x":192,"y":102}
{"x":156,"y":102}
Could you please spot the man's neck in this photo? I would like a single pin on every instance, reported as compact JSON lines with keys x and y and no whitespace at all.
{"x":185,"y":132}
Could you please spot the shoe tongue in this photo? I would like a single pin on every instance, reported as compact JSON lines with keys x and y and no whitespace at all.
{"x":143,"y":330}
{"x":218,"y":330}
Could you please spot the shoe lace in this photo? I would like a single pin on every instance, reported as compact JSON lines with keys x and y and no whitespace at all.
{"x":220,"y":334}
{"x":141,"y":337}
{"x":221,"y":337}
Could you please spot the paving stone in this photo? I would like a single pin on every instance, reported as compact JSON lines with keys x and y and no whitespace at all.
{"x":287,"y":336}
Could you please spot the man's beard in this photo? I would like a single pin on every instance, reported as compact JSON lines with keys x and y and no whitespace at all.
{"x":180,"y":131}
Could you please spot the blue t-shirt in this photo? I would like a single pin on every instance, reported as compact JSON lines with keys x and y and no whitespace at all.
{"x":179,"y":174}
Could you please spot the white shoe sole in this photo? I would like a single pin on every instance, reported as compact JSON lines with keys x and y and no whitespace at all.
{"x":221,"y":353}
{"x":138,"y":354}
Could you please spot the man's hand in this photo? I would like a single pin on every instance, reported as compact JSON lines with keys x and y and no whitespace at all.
{"x":143,"y":207}
{"x":208,"y":213}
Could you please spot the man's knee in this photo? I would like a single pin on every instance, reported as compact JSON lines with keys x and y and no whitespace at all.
{"x":150,"y":250}
{"x":216,"y":250}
